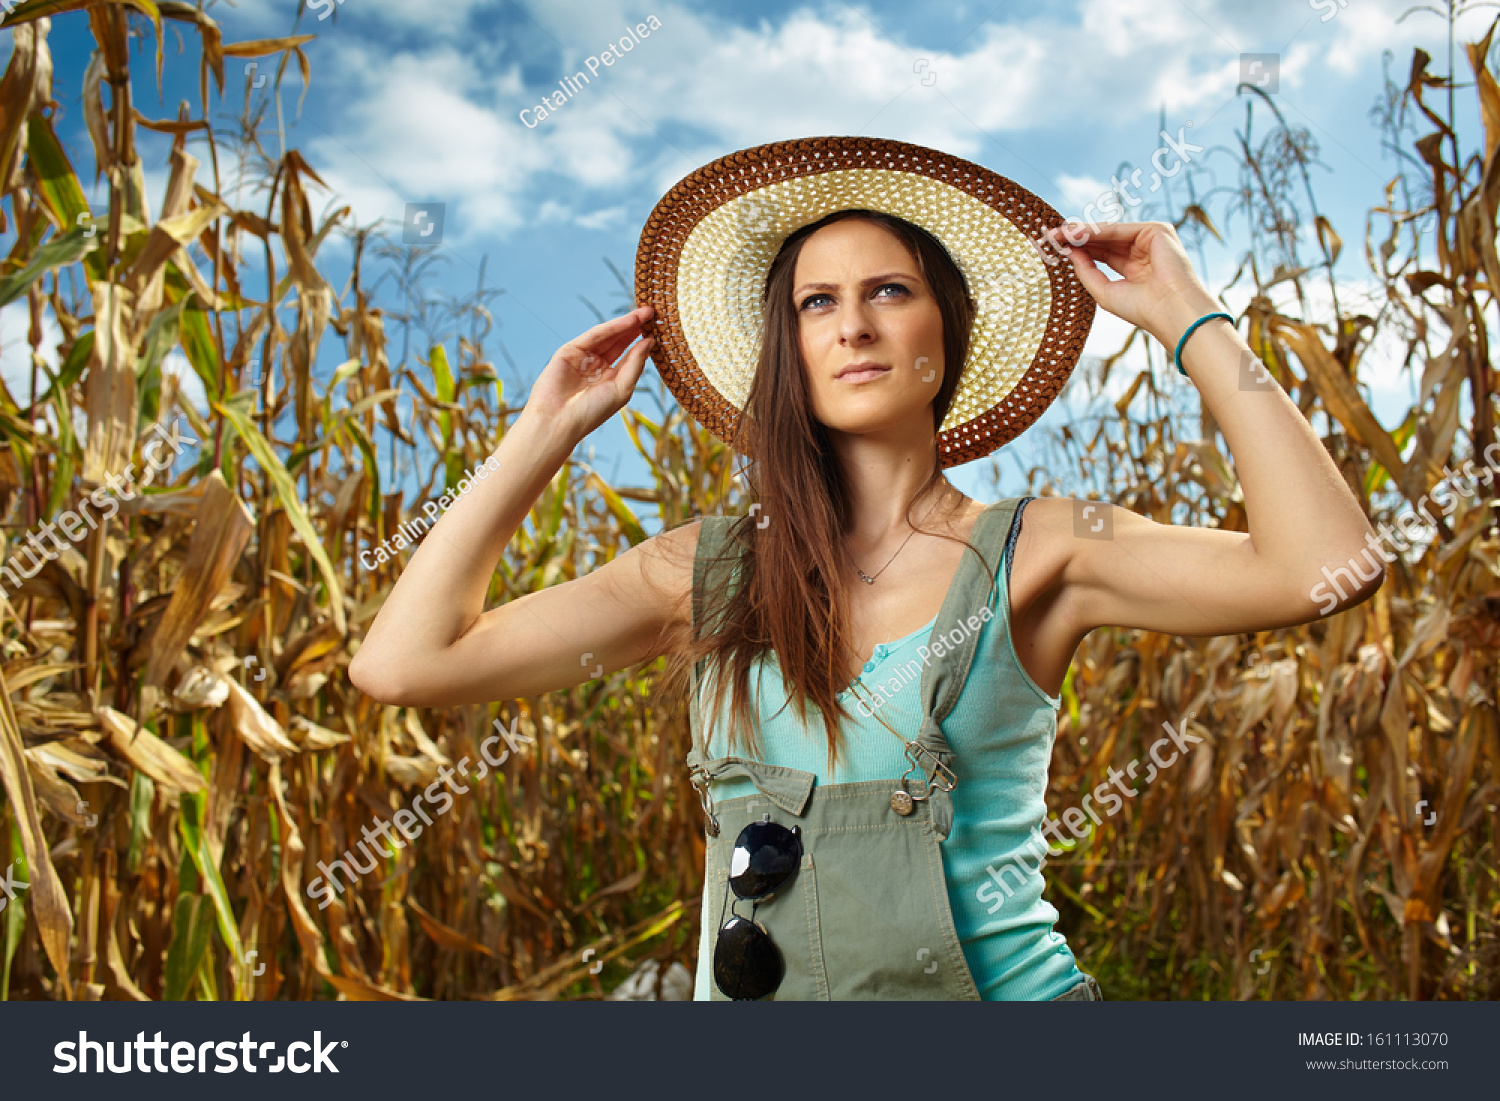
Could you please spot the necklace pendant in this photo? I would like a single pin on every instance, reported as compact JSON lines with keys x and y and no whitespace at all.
{"x":866,"y":578}
{"x":902,"y":803}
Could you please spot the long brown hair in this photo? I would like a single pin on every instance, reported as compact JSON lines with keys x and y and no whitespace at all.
{"x":790,"y":596}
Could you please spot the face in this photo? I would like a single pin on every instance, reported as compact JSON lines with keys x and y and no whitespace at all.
{"x":859,"y":298}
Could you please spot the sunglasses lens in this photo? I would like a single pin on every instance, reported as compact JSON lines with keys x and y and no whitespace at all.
{"x":747,"y":965}
{"x":765,"y":856}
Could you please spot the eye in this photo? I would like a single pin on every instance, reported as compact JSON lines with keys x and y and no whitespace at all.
{"x":812,"y":300}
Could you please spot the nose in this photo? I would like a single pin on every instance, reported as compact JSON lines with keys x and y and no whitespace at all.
{"x":856,"y":326}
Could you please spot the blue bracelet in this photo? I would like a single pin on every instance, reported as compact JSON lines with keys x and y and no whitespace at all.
{"x":1177,"y":355}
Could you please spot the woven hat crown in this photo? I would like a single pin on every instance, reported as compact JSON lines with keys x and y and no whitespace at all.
{"x":708,"y":245}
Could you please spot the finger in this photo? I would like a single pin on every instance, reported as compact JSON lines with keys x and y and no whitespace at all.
{"x":1114,"y":257}
{"x":1113,"y":253}
{"x":1081,"y":232}
{"x":608,"y":350}
{"x":631,"y":367}
{"x":604,"y":355}
{"x":1065,"y":238}
{"x":606,"y":332}
{"x":1094,"y":281}
{"x":591,"y":361}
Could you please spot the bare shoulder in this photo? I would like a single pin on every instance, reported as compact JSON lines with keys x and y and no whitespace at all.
{"x":658,"y":574}
{"x":1044,"y":547}
{"x":1047,"y":520}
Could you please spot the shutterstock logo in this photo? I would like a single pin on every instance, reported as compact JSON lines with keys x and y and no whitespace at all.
{"x":189,"y":1058}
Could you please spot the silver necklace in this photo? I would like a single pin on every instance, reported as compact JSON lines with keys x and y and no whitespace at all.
{"x":866,"y":578}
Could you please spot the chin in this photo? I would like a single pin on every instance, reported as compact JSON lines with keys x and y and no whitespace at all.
{"x":868,"y":422}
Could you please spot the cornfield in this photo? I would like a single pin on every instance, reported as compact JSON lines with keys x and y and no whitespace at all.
{"x":182,"y":750}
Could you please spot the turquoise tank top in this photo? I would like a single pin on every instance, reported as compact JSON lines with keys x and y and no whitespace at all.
{"x":1001,"y":731}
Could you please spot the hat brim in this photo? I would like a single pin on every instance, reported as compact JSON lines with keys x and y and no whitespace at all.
{"x":708,"y":245}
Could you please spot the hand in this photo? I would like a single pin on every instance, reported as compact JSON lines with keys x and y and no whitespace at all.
{"x":582,"y":385}
{"x":1158,"y":291}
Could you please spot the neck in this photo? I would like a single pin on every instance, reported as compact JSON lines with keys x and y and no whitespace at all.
{"x":880,"y":500}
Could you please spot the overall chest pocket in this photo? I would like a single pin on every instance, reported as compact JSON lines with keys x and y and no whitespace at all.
{"x":790,"y":918}
{"x":866,"y":916}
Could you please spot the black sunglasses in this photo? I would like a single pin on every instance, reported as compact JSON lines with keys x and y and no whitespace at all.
{"x":747,"y":965}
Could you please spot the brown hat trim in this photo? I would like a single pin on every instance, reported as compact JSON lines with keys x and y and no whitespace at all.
{"x":678,"y":213}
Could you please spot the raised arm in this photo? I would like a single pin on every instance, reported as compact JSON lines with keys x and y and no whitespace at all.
{"x":433,"y":644}
{"x":1302,"y":517}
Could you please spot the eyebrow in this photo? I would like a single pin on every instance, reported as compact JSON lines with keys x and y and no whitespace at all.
{"x":882,"y":278}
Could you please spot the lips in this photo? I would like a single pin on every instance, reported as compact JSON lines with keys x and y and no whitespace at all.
{"x":861,"y":372}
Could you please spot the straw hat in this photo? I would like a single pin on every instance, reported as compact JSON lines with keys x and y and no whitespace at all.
{"x":706,"y":249}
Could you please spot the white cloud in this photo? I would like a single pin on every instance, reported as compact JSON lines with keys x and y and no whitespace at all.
{"x":190,"y":386}
{"x":426,"y":128}
{"x":446,"y":18}
{"x":327,"y":18}
{"x":603,"y":219}
{"x":15,"y":350}
{"x":426,"y":119}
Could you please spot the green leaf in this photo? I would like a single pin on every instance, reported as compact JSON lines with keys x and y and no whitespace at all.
{"x":344,"y":371}
{"x":78,"y":359}
{"x":443,"y":378}
{"x":192,"y":922}
{"x":559,"y":560}
{"x":63,"y":248}
{"x":195,"y":844}
{"x":1070,"y":697}
{"x":1377,"y":475}
{"x":62,"y":477}
{"x":478,"y":378}
{"x":161,"y":336}
{"x":334,"y":425}
{"x":441,"y":373}
{"x":207,"y":988}
{"x":453,"y":470}
{"x":15,"y":916}
{"x":56,"y":180}
{"x":142,"y":794}
{"x":286,"y":491}
{"x":202,"y":353}
{"x":632,"y":419}
{"x":372,"y":468}
{"x":617,"y":507}
{"x":176,"y":287}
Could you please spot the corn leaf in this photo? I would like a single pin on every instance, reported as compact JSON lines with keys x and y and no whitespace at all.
{"x":619,"y":509}
{"x":195,"y":844}
{"x":15,"y":916}
{"x":56,"y":181}
{"x":64,"y":248}
{"x":192,"y":922}
{"x":198,"y":343}
{"x":286,"y":493}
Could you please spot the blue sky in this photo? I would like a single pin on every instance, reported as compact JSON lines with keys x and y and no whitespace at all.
{"x":419,"y":102}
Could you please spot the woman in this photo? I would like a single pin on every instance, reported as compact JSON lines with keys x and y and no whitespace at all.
{"x":869,"y":322}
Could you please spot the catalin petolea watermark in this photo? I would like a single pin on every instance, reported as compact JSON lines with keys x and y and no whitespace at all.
{"x":412,"y":530}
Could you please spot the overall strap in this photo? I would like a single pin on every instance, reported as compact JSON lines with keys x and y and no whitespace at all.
{"x":789,"y":788}
{"x":713,"y":538}
{"x":951,"y":646}
{"x":952,"y":643}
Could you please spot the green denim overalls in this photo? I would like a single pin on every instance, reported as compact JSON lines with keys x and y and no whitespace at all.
{"x":867,"y":915}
